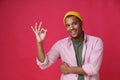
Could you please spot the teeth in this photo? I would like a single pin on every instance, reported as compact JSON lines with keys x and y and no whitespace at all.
{"x":73,"y":32}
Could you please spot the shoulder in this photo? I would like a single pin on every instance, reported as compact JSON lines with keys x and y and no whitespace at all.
{"x":94,"y":40}
{"x":61,"y":42}
{"x":64,"y":40}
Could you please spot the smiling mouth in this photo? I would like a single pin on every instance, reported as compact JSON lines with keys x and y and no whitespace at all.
{"x":73,"y":32}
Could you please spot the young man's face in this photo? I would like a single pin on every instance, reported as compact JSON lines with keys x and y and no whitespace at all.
{"x":74,"y":27}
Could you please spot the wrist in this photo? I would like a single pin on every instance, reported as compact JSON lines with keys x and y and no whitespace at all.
{"x":70,"y":70}
{"x":40,"y":43}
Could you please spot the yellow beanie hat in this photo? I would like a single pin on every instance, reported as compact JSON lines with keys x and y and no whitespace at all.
{"x":74,"y":13}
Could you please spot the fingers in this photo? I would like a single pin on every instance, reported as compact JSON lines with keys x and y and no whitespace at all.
{"x":44,"y":30}
{"x":65,"y":64}
{"x":37,"y":28}
{"x":33,"y":29}
{"x":40,"y":25}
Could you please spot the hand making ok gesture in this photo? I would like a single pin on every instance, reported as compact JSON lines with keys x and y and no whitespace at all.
{"x":39,"y":31}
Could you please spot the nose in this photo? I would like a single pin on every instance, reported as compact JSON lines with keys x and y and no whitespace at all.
{"x":71,"y":27}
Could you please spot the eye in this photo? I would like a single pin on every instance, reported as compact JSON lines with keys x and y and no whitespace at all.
{"x":67,"y":25}
{"x":75,"y":23}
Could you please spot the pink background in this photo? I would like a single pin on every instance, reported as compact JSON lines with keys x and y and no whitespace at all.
{"x":18,"y":43}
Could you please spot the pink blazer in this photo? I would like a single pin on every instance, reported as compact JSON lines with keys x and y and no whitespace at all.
{"x":91,"y":57}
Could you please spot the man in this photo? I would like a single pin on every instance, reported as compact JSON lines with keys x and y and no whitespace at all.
{"x":81,"y":54}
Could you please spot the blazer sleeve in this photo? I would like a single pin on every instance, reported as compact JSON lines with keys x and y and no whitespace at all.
{"x":51,"y":57}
